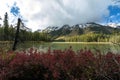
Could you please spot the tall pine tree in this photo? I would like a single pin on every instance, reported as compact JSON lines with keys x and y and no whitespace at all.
{"x":6,"y":26}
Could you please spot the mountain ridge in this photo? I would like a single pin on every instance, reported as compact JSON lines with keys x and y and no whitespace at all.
{"x":80,"y":29}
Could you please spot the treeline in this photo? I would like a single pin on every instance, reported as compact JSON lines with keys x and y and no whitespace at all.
{"x":7,"y":33}
{"x":94,"y":37}
{"x":24,"y":35}
{"x":10,"y":33}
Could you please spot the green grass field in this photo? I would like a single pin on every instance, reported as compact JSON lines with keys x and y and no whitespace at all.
{"x":102,"y":46}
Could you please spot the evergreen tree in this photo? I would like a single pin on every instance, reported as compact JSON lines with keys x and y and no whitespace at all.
{"x":6,"y":26}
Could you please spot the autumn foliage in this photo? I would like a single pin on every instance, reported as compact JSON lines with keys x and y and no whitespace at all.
{"x":59,"y":65}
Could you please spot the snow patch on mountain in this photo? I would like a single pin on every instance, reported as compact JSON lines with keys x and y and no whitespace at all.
{"x":114,"y":25}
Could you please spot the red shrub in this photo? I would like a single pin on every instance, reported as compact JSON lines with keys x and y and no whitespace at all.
{"x":59,"y":65}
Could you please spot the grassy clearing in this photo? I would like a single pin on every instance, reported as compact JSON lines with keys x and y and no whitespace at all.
{"x":84,"y":42}
{"x":102,"y":46}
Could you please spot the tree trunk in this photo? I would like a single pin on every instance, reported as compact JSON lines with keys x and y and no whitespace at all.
{"x":16,"y":35}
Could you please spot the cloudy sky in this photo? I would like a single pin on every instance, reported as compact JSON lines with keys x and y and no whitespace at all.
{"x":38,"y":14}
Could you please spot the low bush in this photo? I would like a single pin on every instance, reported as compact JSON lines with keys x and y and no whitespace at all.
{"x":59,"y":65}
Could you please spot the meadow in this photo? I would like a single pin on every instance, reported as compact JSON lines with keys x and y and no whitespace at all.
{"x":104,"y":47}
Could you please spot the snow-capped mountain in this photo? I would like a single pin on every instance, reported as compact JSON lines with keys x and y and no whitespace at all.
{"x":79,"y":29}
{"x":49,"y":29}
{"x":114,"y":25}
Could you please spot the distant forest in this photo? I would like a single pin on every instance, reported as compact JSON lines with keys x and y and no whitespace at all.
{"x":7,"y":33}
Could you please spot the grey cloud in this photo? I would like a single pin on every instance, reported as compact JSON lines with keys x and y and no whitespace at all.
{"x":59,"y":12}
{"x":43,"y":13}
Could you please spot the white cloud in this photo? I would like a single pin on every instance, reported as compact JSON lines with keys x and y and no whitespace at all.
{"x":43,"y":13}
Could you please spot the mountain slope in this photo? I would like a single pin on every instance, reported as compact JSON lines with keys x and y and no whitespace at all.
{"x":80,"y":29}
